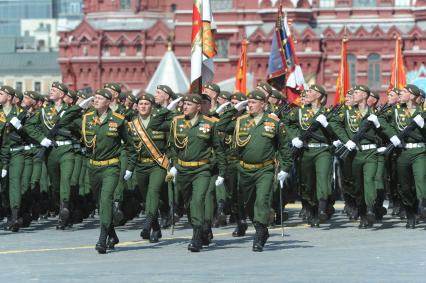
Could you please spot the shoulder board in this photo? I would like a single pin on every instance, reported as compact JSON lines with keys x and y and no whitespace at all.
{"x":89,"y":113}
{"x":210,"y":119}
{"x":178,"y":117}
{"x":118,"y":115}
{"x":398,"y":106}
{"x":243,"y":117}
{"x":273,"y":117}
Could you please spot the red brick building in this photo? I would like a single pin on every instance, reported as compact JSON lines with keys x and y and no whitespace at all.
{"x":124,"y":40}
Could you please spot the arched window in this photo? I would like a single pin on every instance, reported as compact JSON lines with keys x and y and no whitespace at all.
{"x":352,"y":69}
{"x":374,"y":71}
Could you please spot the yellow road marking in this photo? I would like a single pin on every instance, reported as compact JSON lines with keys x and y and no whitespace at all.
{"x":130,"y":243}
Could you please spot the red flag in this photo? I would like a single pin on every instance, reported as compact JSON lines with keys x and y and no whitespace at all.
{"x":203,"y":47}
{"x":241,"y":76}
{"x":398,"y":69}
{"x":342,"y":84}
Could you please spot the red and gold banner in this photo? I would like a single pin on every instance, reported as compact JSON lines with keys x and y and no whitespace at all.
{"x":342,"y":84}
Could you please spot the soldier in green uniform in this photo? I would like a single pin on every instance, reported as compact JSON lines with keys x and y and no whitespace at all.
{"x":193,"y":142}
{"x":411,"y":150}
{"x":103,"y":131}
{"x":315,"y":159}
{"x":260,"y":139}
{"x":364,"y":154}
{"x":212,"y":90}
{"x":152,"y":164}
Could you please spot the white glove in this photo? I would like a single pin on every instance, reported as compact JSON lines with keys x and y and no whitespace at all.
{"x":46,"y":142}
{"x":395,"y":141}
{"x":62,"y":114}
{"x":3,"y":173}
{"x":241,"y":105}
{"x":420,"y":121}
{"x":221,"y":108}
{"x":174,"y":103}
{"x":16,"y":123}
{"x":86,"y":103}
{"x":128,"y":175}
{"x":219,"y":181}
{"x":323,"y":120}
{"x":296,"y":142}
{"x":173,"y":171}
{"x":350,"y":145}
{"x":381,"y":149}
{"x":337,"y":143}
{"x":373,"y":118}
{"x":282,"y":175}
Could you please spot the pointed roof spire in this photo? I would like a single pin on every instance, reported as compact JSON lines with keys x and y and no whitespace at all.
{"x":169,"y":72}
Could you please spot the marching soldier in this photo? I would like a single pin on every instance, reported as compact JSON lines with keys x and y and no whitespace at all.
{"x":315,"y":158}
{"x":363,"y":153}
{"x":194,"y":140}
{"x":152,"y":164}
{"x":103,"y":131}
{"x":260,"y":139}
{"x":411,"y":151}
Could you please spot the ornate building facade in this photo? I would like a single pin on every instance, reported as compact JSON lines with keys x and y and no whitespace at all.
{"x":124,"y":40}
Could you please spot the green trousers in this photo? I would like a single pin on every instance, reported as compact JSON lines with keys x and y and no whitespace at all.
{"x":103,"y":181}
{"x":193,"y":188}
{"x":364,"y":168}
{"x":380,"y":173}
{"x":75,"y":177}
{"x":150,"y":180}
{"x":411,"y":166}
{"x":20,"y":169}
{"x":210,"y":201}
{"x":60,"y":165}
{"x":231,"y":184}
{"x":122,"y":185}
{"x":36,"y":172}
{"x":315,"y":175}
{"x":256,"y":187}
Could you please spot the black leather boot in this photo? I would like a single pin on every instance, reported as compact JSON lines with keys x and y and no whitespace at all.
{"x":207,"y":235}
{"x":411,"y":218}
{"x":260,"y":237}
{"x":322,"y":210}
{"x":14,"y":223}
{"x":146,"y":230}
{"x":156,"y":231}
{"x":64,"y":215}
{"x":370,"y":216}
{"x":221,"y":216}
{"x":112,"y":238}
{"x":117,"y":214}
{"x":101,"y":245}
{"x":422,"y":208}
{"x":240,"y":230}
{"x":314,"y":218}
{"x":195,"y":244}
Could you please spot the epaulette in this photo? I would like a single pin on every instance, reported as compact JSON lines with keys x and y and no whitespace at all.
{"x":89,"y":113}
{"x":210,"y":119}
{"x":243,"y":116}
{"x":274,"y":117}
{"x":119,"y":116}
{"x":178,"y":117}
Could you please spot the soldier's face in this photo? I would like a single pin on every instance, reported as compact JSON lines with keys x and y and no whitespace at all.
{"x":234,"y":102}
{"x":191,"y":108}
{"x":272,"y":100}
{"x":68,"y":100}
{"x":3,"y":97}
{"x":359,"y":96}
{"x":100,"y":102}
{"x":255,"y":106}
{"x":405,"y":96}
{"x":161,"y":97}
{"x":56,"y":94}
{"x":144,"y":107}
{"x":393,"y":98}
{"x":311,"y":96}
{"x":114,"y":93}
{"x":211,"y":93}
{"x":372,"y":101}
{"x":221,"y":100}
{"x":128,"y":103}
{"x":28,"y":101}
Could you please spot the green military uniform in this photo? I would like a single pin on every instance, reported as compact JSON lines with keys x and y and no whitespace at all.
{"x":315,"y":161}
{"x":102,"y":136}
{"x":193,"y":144}
{"x":363,"y":161}
{"x":411,"y":158}
{"x":151,"y":167}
